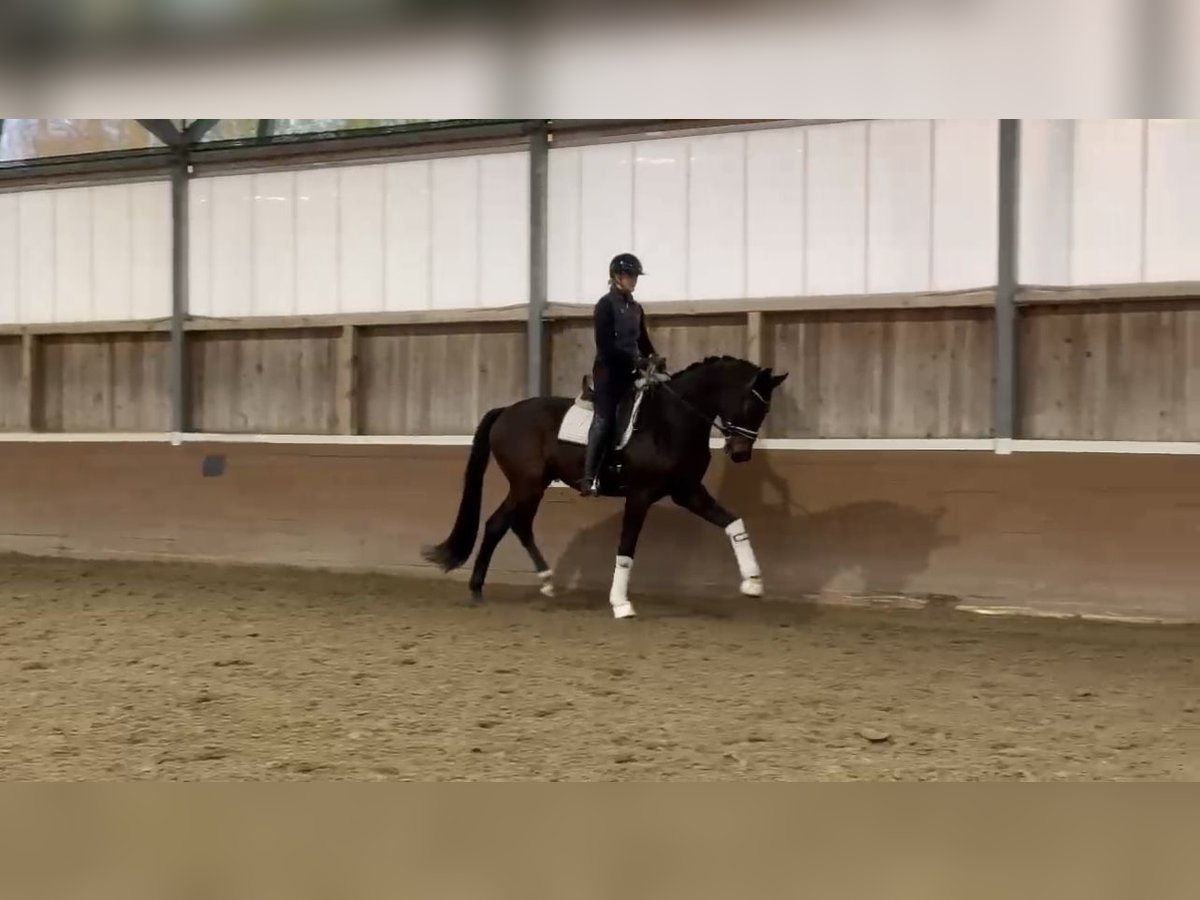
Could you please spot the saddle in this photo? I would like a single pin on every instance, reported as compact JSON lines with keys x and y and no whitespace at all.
{"x":578,"y":420}
{"x":587,"y":393}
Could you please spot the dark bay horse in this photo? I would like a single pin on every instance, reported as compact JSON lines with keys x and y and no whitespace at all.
{"x":667,"y":456}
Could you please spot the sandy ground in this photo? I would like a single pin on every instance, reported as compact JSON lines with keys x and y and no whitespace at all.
{"x":144,"y":671}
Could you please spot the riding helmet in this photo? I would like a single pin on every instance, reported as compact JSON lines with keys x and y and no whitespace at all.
{"x":625,"y":263}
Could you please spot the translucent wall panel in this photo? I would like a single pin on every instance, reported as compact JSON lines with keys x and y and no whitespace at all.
{"x":844,"y":208}
{"x":447,"y":233}
{"x":86,"y":254}
{"x":1110,"y":201}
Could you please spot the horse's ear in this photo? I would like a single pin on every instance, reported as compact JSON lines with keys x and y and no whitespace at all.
{"x":777,"y":380}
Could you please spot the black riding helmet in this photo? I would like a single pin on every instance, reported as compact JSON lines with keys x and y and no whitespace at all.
{"x":625,"y":263}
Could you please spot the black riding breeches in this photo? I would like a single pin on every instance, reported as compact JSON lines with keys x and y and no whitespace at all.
{"x":609,"y":392}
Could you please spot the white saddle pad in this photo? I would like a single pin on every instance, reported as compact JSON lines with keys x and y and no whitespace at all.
{"x":577,"y":421}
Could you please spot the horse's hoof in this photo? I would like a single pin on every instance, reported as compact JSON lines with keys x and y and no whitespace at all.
{"x":623,"y":610}
{"x":752,"y":587}
{"x":476,"y":597}
{"x":547,"y":588}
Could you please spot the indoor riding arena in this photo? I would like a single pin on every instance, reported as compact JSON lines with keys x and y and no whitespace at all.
{"x":242,"y":361}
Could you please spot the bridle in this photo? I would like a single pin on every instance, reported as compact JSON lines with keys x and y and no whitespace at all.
{"x":728,"y":429}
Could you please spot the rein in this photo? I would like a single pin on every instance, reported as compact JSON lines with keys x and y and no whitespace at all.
{"x":726,"y":428}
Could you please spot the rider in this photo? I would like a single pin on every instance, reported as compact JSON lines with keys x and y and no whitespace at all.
{"x":622,"y":347}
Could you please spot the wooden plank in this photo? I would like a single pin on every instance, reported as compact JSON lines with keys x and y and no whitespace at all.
{"x":265,"y":382}
{"x":1112,"y":372}
{"x":339,"y":320}
{"x":14,"y":405}
{"x":278,"y":323}
{"x":123,"y":327}
{"x":98,"y":383}
{"x":894,"y":374}
{"x":685,"y":339}
{"x":754,"y":343}
{"x":28,"y":395}
{"x":438,"y":379}
{"x":347,"y":372}
{"x":952,"y":299}
{"x":571,"y":350}
{"x":1184,"y":290}
{"x":1109,"y":293}
{"x":681,"y":339}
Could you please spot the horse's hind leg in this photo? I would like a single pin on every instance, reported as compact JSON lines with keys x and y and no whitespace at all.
{"x":522,"y":526}
{"x":497,"y":526}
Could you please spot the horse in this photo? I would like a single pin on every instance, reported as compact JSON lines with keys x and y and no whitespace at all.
{"x":666,"y":455}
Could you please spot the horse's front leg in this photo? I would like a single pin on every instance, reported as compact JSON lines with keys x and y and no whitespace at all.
{"x":636,"y":507}
{"x":695,"y":498}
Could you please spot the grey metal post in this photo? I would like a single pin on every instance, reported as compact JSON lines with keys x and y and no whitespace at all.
{"x":179,"y":380}
{"x":180,"y":142}
{"x":1006,"y":401}
{"x":539,"y":169}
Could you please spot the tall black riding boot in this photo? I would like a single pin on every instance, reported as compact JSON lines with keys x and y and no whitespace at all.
{"x":589,"y":484}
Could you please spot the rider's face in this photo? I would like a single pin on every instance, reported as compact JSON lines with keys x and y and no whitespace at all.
{"x":627,"y":282}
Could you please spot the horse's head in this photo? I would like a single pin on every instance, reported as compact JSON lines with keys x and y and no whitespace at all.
{"x":741,"y":411}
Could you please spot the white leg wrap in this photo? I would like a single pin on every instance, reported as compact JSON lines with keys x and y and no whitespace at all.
{"x":547,"y":578}
{"x":618,"y":597}
{"x":752,"y":585}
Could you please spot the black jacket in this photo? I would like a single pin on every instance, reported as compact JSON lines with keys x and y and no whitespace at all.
{"x":621,"y":334}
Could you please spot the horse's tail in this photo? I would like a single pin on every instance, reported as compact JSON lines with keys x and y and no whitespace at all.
{"x":456,"y":549}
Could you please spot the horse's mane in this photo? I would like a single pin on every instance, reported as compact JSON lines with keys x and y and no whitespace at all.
{"x":708,"y":361}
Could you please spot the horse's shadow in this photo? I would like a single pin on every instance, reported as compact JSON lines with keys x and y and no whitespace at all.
{"x":864,"y":548}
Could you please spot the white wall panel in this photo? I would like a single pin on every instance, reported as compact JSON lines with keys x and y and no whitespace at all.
{"x":317,"y":223}
{"x":200,"y":262}
{"x":606,"y":215}
{"x":456,"y":232}
{"x":1047,"y":184}
{"x":10,"y":261}
{"x":274,"y":240}
{"x":150,"y":221}
{"x":716,"y":239}
{"x":73,"y":255}
{"x":1106,"y":220}
{"x":361,"y":218}
{"x":965,"y":211}
{"x":1109,"y":201}
{"x":97,"y":253}
{"x":232,"y":245}
{"x":1173,"y":200}
{"x":503,"y":215}
{"x":447,"y":233}
{"x":836,"y":236}
{"x":782,"y":212}
{"x":900,"y":206}
{"x":564,"y":276}
{"x":37,"y":248}
{"x":112,"y":243}
{"x":775,"y":197}
{"x":408,"y":243}
{"x":660,"y":218}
